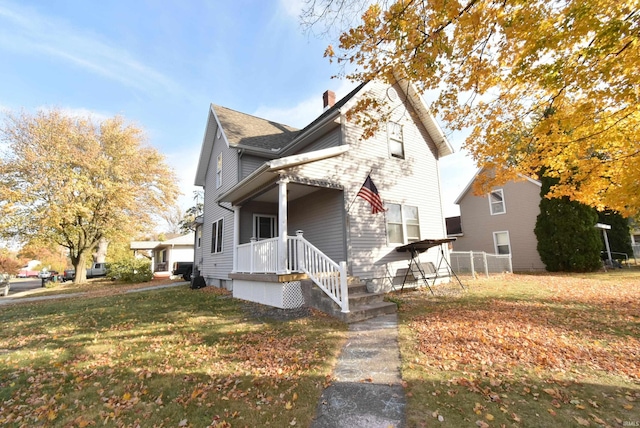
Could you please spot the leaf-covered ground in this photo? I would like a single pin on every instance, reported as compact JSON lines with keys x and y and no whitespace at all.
{"x":525,"y":350}
{"x":165,"y":358}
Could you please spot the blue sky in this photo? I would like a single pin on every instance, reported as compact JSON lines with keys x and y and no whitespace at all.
{"x":161,"y":63}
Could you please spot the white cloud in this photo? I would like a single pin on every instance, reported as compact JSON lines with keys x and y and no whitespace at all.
{"x":292,"y":8}
{"x":24,"y":30}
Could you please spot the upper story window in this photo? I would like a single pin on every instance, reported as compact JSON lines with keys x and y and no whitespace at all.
{"x":219,"y":171}
{"x":496,"y":202}
{"x":403,"y":224}
{"x":396,"y":140}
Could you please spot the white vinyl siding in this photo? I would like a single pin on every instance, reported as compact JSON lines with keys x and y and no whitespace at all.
{"x":248,"y":164}
{"x":501,"y":242}
{"x":496,"y":202}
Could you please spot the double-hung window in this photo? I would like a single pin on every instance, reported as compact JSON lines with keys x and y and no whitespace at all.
{"x":396,"y":140}
{"x":403,"y":224}
{"x":496,"y":202}
{"x":501,"y":242}
{"x":219,"y":171}
{"x":216,"y":236}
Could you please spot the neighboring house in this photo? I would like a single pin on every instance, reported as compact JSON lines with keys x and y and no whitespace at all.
{"x":502,"y":222}
{"x":163,"y":254}
{"x":280,"y":201}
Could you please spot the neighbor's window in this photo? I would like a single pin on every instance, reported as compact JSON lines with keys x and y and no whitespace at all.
{"x":501,"y":242}
{"x":199,"y":236}
{"x":219,"y":171}
{"x":396,"y":141}
{"x":402,"y":221}
{"x":216,"y":236}
{"x":496,"y":201}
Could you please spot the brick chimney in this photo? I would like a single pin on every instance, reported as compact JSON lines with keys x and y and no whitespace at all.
{"x":328,"y":99}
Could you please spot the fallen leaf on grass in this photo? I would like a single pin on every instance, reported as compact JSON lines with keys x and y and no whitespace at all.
{"x":581,"y":421}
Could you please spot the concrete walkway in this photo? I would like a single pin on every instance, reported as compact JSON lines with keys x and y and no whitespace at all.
{"x":367,"y":391}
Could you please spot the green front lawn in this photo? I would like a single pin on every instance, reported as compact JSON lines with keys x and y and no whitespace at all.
{"x":171,"y":357}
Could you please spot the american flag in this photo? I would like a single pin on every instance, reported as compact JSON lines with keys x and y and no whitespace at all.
{"x":369,"y":192}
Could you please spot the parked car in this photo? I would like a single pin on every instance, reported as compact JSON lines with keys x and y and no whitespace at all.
{"x":183,"y":269}
{"x":46,"y":273}
{"x":5,"y":284}
{"x":96,"y":270}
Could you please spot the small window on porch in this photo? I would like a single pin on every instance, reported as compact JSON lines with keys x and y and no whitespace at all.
{"x":264,"y":226}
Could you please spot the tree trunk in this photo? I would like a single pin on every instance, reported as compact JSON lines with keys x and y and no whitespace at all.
{"x":81,"y":268}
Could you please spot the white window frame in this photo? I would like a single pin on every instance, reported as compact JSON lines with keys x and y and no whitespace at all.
{"x":495,"y":241}
{"x":393,"y":138}
{"x":219,"y":170}
{"x":274,"y":225}
{"x":199,"y":236}
{"x":404,"y":223}
{"x":491,"y":204}
{"x":217,"y":236}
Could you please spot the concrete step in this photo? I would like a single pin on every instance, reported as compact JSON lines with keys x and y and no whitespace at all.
{"x":362,"y":304}
{"x":372,"y":310}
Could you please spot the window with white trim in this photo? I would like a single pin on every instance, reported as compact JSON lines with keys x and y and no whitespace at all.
{"x":199,"y":237}
{"x":264,"y":226}
{"x":396,"y":140}
{"x":219,"y":171}
{"x":403,"y":224}
{"x":496,"y":202}
{"x":216,"y":236}
{"x":501,"y":242}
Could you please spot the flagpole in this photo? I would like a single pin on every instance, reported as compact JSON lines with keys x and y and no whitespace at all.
{"x":356,"y":197}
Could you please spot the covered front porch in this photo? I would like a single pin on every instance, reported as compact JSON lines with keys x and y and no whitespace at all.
{"x":266,"y":256}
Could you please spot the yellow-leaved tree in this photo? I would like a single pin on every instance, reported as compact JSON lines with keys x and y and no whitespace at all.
{"x":73,"y":181}
{"x":542,"y":85}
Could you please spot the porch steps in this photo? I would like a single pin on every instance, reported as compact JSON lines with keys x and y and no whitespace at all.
{"x":362,"y":304}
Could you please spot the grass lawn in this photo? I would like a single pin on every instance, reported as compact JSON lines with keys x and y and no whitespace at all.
{"x":166,"y":358}
{"x":524,"y":351}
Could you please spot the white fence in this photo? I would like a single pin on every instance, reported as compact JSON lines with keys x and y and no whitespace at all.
{"x":479,"y":262}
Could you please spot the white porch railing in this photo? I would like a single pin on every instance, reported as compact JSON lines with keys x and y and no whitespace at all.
{"x":302,"y":256}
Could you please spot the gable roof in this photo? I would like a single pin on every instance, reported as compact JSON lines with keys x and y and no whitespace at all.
{"x":273,"y":139}
{"x":470,"y":184}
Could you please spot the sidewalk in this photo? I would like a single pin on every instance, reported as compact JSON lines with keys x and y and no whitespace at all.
{"x":19,"y":297}
{"x":368,"y":390}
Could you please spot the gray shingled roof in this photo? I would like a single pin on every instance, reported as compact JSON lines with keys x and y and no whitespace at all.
{"x":243,"y":129}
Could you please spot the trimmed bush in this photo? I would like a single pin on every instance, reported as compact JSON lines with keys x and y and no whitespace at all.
{"x":130,"y":270}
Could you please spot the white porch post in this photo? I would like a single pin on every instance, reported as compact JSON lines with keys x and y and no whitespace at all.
{"x":282,"y":225}
{"x":236,"y":236}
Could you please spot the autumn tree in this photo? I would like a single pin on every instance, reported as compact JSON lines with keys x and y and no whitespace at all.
{"x":540,"y":84}
{"x":187,"y":222}
{"x":73,"y":181}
